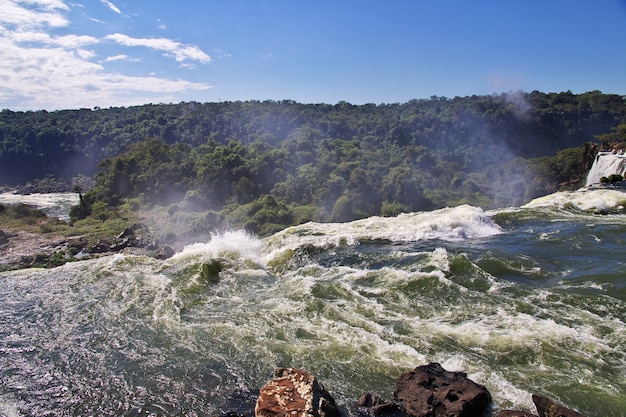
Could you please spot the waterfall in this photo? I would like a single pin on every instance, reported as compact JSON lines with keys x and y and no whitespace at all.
{"x":605,"y":164}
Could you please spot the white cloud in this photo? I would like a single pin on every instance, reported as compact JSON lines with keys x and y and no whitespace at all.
{"x":179,"y":51}
{"x":44,"y":13}
{"x":66,"y":41}
{"x":112,"y":6}
{"x":42,"y":70}
{"x":55,"y":78}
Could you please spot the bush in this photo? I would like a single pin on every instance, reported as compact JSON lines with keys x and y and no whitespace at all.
{"x":613,"y":178}
{"x":392,"y":209}
{"x":83,"y":208}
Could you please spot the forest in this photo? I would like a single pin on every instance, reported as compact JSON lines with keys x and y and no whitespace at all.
{"x":264,"y":165}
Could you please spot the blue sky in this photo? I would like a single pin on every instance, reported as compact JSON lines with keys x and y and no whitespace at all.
{"x":58,"y":54}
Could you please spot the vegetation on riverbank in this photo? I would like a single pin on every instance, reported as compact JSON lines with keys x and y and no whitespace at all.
{"x":190,"y":169}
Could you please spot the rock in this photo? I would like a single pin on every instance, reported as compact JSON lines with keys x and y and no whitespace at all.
{"x":515,"y":413}
{"x":430,"y":391}
{"x":548,"y":408}
{"x":126,"y":233}
{"x":4,"y":238}
{"x":372,"y":405}
{"x":295,"y":393}
{"x":164,"y":252}
{"x":211,"y":271}
{"x":100,"y":247}
{"x":369,"y":400}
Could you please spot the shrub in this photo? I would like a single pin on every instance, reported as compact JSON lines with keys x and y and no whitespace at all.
{"x":392,"y":209}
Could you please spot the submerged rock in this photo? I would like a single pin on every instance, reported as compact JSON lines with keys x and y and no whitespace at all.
{"x":430,"y":391}
{"x":515,"y":413}
{"x":295,"y":393}
{"x":211,"y":271}
{"x":547,"y":407}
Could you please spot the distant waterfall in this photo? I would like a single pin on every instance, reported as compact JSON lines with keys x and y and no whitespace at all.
{"x":605,"y":164}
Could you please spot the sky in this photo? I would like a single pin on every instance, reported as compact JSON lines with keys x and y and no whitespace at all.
{"x":58,"y":54}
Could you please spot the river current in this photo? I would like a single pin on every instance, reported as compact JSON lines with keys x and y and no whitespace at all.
{"x":525,"y":300}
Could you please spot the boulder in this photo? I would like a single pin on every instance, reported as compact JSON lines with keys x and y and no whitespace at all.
{"x":547,"y":407}
{"x":431,"y":391}
{"x":295,"y":393}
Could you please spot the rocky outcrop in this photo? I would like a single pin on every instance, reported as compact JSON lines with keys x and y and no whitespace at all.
{"x":295,"y":393}
{"x":427,"y":391}
{"x":430,"y":391}
{"x":20,"y":249}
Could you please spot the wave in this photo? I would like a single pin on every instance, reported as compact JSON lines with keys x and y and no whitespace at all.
{"x":583,"y":199}
{"x":449,"y":224}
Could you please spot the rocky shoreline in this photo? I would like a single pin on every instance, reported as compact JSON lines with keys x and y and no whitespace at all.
{"x":20,"y":249}
{"x":427,"y":391}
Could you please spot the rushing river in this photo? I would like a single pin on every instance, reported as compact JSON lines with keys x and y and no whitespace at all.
{"x":53,"y":204}
{"x":525,"y":300}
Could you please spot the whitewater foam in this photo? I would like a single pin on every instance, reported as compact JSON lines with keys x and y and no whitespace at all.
{"x":450,"y":224}
{"x":235,"y":246}
{"x":597,"y":200}
{"x":53,"y":204}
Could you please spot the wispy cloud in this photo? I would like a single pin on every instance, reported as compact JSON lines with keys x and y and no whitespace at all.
{"x":180,"y":52}
{"x":112,"y":6}
{"x":42,"y":69}
{"x":121,"y":57}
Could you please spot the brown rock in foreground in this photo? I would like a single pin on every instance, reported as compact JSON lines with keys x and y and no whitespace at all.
{"x":431,"y":391}
{"x":294,"y":393}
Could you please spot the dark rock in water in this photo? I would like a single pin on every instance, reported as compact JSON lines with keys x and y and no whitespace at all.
{"x":211,"y":271}
{"x":4,"y":238}
{"x":295,"y":393}
{"x":164,"y":252}
{"x":373,"y":406}
{"x":241,"y":403}
{"x":100,"y":247}
{"x":431,"y":391}
{"x":514,"y":413}
{"x":547,"y":407}
{"x":369,"y":400}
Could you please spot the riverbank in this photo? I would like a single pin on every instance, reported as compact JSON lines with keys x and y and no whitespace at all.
{"x":21,"y":249}
{"x":31,"y":239}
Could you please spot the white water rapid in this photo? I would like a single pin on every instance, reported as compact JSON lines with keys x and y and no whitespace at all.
{"x":605,"y":164}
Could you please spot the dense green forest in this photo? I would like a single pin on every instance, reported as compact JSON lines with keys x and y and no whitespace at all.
{"x":264,"y":165}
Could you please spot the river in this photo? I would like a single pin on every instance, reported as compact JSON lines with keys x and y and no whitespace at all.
{"x":525,"y":300}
